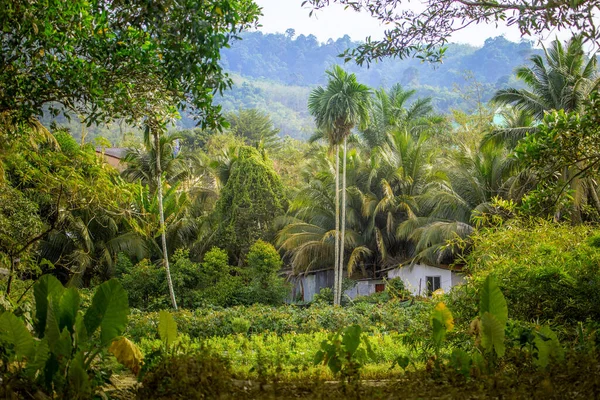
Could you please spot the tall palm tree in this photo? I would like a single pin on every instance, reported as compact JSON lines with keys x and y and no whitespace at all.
{"x":337,"y":109}
{"x":142,"y":163}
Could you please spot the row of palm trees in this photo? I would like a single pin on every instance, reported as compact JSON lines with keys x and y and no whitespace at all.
{"x":402,"y":196}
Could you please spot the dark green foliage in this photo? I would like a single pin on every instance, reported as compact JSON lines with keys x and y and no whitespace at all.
{"x":58,"y":357}
{"x":137,"y":56}
{"x":196,"y":375}
{"x":266,"y":286}
{"x":212,"y":282}
{"x":547,"y":272}
{"x":146,"y":285}
{"x":249,"y":202}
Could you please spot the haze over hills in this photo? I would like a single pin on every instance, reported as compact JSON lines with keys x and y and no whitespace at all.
{"x":275,"y":73}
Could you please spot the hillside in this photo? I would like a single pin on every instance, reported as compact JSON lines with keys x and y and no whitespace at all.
{"x":275,"y":73}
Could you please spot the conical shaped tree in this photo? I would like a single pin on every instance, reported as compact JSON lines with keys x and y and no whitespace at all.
{"x":339,"y":107}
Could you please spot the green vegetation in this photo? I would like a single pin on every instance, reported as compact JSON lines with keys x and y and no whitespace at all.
{"x":208,"y":233}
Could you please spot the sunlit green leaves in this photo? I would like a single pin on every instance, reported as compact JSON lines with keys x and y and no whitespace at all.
{"x":167,"y":328}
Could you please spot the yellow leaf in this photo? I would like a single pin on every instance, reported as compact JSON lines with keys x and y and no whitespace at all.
{"x":128,"y":354}
{"x":219,"y":11}
{"x":442,"y":314}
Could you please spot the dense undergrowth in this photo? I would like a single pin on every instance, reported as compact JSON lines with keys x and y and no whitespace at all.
{"x":524,"y":325}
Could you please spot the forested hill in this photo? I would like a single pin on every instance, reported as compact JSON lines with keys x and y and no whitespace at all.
{"x":302,"y":60}
{"x":275,"y":72}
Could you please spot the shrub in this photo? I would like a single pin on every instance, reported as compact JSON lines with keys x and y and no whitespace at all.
{"x":200,"y":374}
{"x":56,"y":358}
{"x":546,"y":271}
{"x":146,"y":285}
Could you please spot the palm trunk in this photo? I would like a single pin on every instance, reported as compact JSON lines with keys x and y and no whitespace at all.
{"x":337,"y":226}
{"x":343,"y":234}
{"x":163,"y":233}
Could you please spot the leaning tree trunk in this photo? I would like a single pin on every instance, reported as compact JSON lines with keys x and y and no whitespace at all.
{"x":343,"y":234}
{"x":337,"y":225}
{"x":163,"y":233}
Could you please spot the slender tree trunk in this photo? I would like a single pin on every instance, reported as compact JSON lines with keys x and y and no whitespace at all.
{"x":337,"y":225}
{"x":594,"y":195}
{"x":163,"y":233}
{"x":11,"y":272}
{"x":343,"y":234}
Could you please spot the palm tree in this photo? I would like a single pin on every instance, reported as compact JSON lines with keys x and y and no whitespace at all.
{"x":142,"y":163}
{"x":564,"y":80}
{"x":337,"y":109}
{"x":390,"y":111}
{"x":471,"y":179}
{"x":307,"y":232}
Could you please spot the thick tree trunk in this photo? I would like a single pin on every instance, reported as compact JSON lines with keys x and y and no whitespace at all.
{"x":163,"y":233}
{"x":343,"y":234}
{"x":337,"y":225}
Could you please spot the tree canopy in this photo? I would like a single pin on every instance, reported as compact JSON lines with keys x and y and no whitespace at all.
{"x":116,"y":59}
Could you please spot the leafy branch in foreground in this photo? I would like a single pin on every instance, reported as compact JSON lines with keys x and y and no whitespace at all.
{"x":423,"y":33}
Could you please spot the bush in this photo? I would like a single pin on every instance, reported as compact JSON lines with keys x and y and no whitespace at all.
{"x":146,"y":285}
{"x":266,"y":286}
{"x":215,"y":321}
{"x":547,"y":271}
{"x":198,"y":375}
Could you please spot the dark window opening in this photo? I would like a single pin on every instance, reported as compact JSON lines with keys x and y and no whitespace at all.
{"x":379,"y":287}
{"x":433,"y":284}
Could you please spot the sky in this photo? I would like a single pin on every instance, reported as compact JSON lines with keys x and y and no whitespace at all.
{"x":334,"y":22}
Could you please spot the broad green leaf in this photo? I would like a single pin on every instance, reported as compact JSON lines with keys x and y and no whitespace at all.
{"x":167,"y":328}
{"x":493,"y":301}
{"x":492,"y":334}
{"x":109,"y":311}
{"x":335,"y":365}
{"x":79,"y":380}
{"x":351,"y":338}
{"x":402,"y":362}
{"x":128,"y":354}
{"x":441,"y":313}
{"x":69,"y":305}
{"x":81,"y":335}
{"x":46,"y":288}
{"x":14,"y":332}
{"x":548,"y":346}
{"x":441,"y":322}
{"x":42,"y":354}
{"x":63,"y":348}
{"x":52,"y":330}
